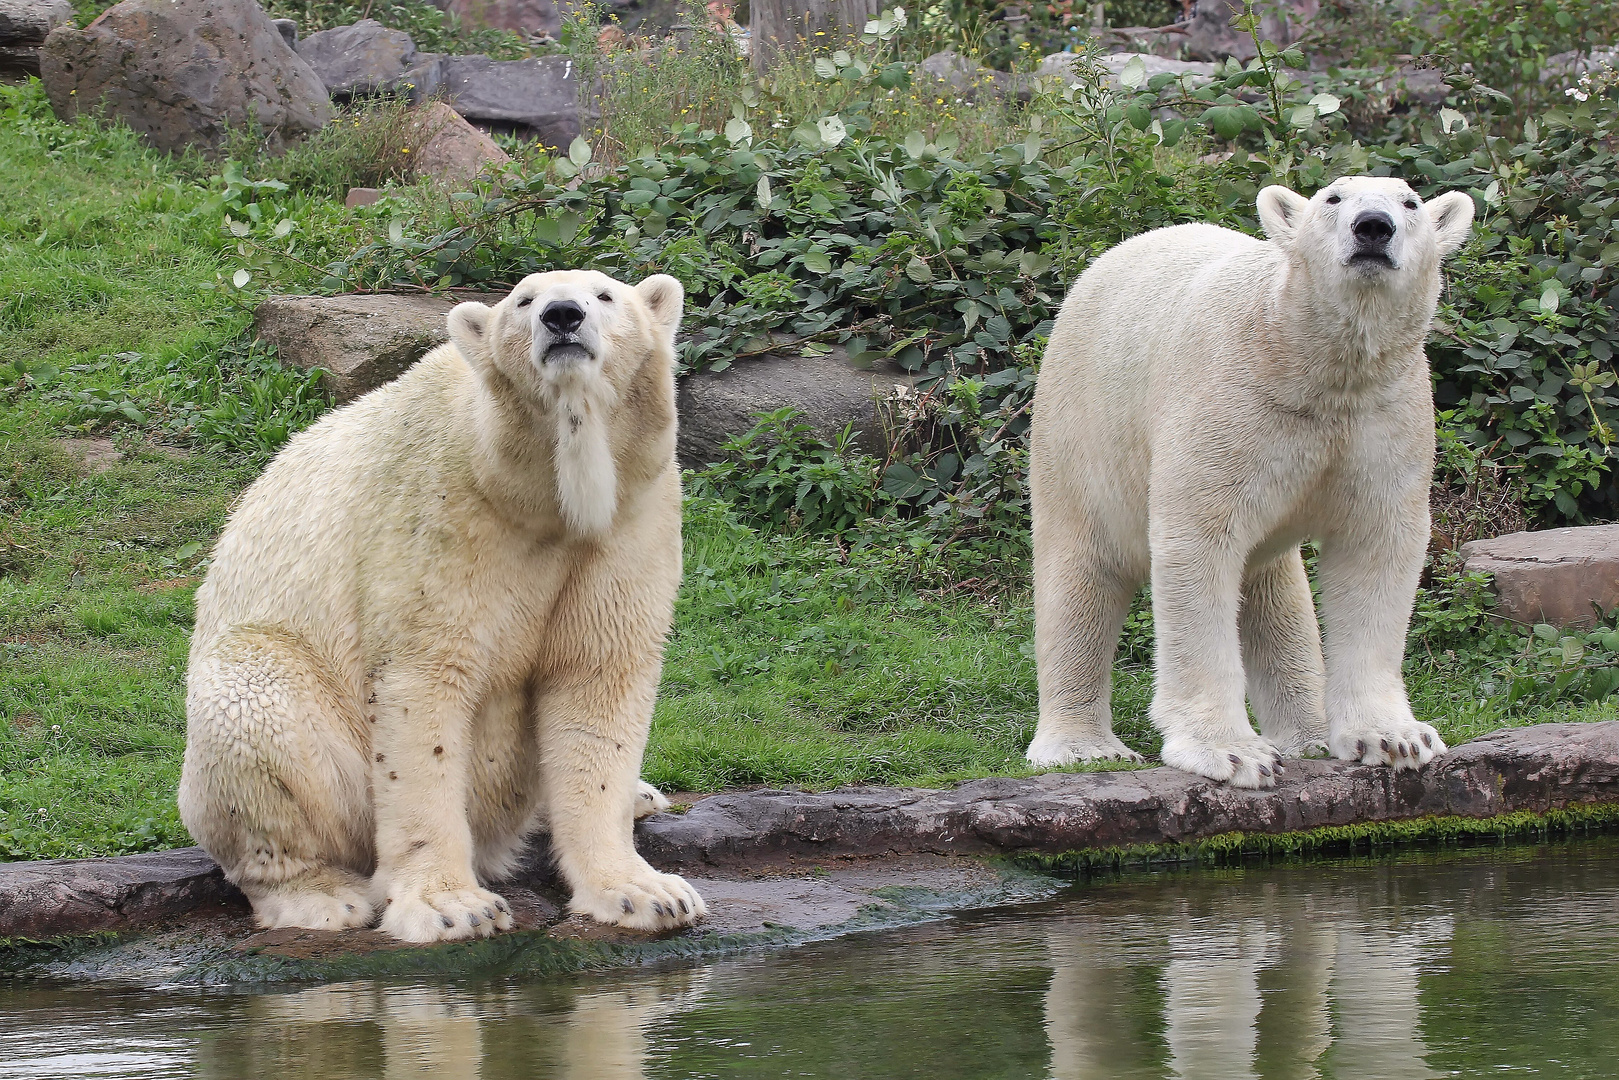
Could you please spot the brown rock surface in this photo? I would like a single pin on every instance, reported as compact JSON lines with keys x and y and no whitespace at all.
{"x":1553,"y":575}
{"x":731,"y":841}
{"x":363,"y":340}
{"x":451,"y":150}
{"x":180,"y":72}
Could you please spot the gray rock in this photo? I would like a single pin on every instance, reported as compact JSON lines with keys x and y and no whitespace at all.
{"x":29,"y":22}
{"x":363,"y":341}
{"x":1552,"y":576}
{"x":358,"y":60}
{"x":535,"y":98}
{"x":1210,"y":35}
{"x":830,"y":391}
{"x":1542,"y":768}
{"x":289,"y":31}
{"x":967,"y":78}
{"x":422,"y":80}
{"x":732,"y":837}
{"x":1565,"y":68}
{"x":180,"y":72}
{"x":24,"y":25}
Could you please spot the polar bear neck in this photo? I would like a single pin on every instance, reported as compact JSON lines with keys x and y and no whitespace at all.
{"x":1351,"y":341}
{"x":578,"y":409}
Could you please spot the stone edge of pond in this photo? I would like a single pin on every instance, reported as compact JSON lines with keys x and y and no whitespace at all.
{"x":1053,"y":819}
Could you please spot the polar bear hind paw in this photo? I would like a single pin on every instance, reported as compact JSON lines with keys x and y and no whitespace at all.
{"x":644,"y":900}
{"x":649,"y":800}
{"x":1071,"y":749}
{"x":1252,"y":762}
{"x":1403,"y":744}
{"x":450,"y":915}
{"x":327,"y":905}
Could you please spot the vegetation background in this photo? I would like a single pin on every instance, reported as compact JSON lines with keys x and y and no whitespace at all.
{"x":845,"y":617}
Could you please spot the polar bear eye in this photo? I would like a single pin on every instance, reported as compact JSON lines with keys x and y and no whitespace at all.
{"x":606,"y":298}
{"x":1333,"y":200}
{"x":525,"y":301}
{"x":1410,"y":204}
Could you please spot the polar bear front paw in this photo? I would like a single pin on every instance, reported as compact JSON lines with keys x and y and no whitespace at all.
{"x":326,"y":903}
{"x":450,"y":915}
{"x":1252,"y":762}
{"x":1404,"y":744}
{"x":648,"y":801}
{"x":1069,"y":748}
{"x":643,"y":899}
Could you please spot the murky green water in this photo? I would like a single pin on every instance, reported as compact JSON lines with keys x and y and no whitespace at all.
{"x":1467,"y":964}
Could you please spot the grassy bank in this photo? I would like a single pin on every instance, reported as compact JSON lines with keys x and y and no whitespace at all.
{"x":133,"y":411}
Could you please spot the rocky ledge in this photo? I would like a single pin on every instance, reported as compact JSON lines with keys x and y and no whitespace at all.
{"x":744,"y":837}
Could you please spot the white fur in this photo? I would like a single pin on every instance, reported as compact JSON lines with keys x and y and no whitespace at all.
{"x":1207,"y":402}
{"x":436,"y":624}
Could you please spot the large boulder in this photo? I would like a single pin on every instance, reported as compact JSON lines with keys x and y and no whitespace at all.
{"x":537,"y":99}
{"x":181,"y":72}
{"x":24,"y":25}
{"x":363,"y":341}
{"x":965,"y":77}
{"x":448,"y":149}
{"x":1557,"y":576}
{"x":353,"y":61}
{"x":829,"y":390}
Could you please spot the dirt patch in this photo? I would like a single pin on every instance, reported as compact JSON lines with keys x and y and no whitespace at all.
{"x":94,"y":455}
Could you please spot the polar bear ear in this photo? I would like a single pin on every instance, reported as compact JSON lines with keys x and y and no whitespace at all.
{"x":1452,"y":217}
{"x":1281,"y":212}
{"x":665,"y":297}
{"x":469,"y":330}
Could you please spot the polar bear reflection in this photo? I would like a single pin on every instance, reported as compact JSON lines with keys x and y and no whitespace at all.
{"x":1291,"y":995}
{"x":354,"y":1030}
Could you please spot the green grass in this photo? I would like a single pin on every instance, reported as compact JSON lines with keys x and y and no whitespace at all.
{"x":794,"y":661}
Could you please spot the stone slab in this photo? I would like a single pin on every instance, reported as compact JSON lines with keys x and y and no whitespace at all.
{"x":761,"y":836}
{"x":1552,"y":575}
{"x":362,"y":340}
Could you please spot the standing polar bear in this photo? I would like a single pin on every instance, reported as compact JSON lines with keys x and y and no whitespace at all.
{"x":1207,"y":402}
{"x":436,"y":624}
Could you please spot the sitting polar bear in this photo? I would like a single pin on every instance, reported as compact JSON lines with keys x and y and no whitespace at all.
{"x":1207,"y":402}
{"x":436,"y":624}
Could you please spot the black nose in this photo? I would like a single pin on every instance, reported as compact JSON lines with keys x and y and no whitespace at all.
{"x":562,"y":316}
{"x":1374,"y":229}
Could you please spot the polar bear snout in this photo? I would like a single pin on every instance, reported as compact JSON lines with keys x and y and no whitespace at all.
{"x":1373,"y":229}
{"x":567,"y":327}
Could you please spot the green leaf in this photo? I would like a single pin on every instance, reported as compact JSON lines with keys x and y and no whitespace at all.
{"x":825,"y":68}
{"x":579,"y":151}
{"x":918,"y":270}
{"x":832,"y":130}
{"x":241,"y":278}
{"x":1139,"y":115}
{"x":1302,"y":117}
{"x":1226,"y":120}
{"x":1326,"y":103}
{"x":916,"y":144}
{"x":762,"y":192}
{"x":817,"y":262}
{"x":736,"y":130}
{"x":1134,"y":73}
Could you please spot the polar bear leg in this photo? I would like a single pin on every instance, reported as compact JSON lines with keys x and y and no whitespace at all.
{"x":1199,"y":702}
{"x":421,"y":739}
{"x":1368,"y":583}
{"x":1079,"y":605}
{"x":275,"y":785}
{"x":1281,"y":655}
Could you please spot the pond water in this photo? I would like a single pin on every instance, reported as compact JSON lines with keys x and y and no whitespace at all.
{"x":1429,"y":965}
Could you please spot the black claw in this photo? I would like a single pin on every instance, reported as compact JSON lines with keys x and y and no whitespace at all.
{"x":629,"y":908}
{"x":657,"y":909}
{"x":1360,"y":748}
{"x":1385,"y":745}
{"x":1427,"y":740}
{"x":1235,"y":760}
{"x":1405,"y":752}
{"x":684,"y":910}
{"x":473,"y":920}
{"x":488,"y":914}
{"x":446,"y":920}
{"x":500,"y":905}
{"x":1264,"y":770}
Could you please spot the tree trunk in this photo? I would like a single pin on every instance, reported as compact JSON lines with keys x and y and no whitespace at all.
{"x":786,"y":26}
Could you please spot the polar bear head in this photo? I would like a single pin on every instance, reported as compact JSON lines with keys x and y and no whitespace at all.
{"x":571,"y":345}
{"x":1367,"y":231}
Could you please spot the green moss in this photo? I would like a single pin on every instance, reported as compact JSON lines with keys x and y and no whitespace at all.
{"x":1334,"y":840}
